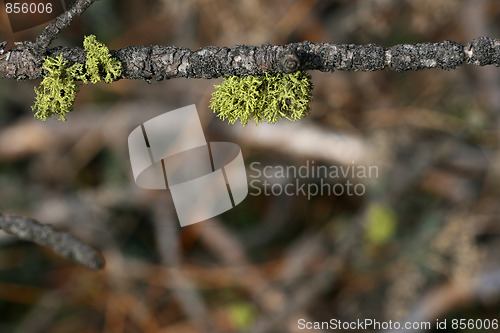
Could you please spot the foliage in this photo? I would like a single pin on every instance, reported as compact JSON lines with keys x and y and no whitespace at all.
{"x":58,"y":89}
{"x":268,"y":98}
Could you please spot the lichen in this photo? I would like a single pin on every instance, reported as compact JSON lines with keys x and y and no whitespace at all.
{"x":100,"y":62}
{"x":266,"y":98}
{"x":57,"y":91}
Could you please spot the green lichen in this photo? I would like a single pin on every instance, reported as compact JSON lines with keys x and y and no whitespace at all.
{"x":57,"y":91}
{"x":266,"y":98}
{"x":100,"y":62}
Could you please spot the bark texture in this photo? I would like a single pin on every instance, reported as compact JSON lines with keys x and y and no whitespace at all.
{"x":52,"y":31}
{"x":156,"y":63}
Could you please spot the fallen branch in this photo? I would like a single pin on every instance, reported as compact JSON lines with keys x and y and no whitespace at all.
{"x":61,"y":242}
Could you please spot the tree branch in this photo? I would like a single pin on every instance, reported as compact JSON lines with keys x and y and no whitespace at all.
{"x":62,"y":21}
{"x":63,"y":243}
{"x":165,"y":62}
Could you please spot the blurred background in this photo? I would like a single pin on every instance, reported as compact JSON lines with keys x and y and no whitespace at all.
{"x":420,"y":244}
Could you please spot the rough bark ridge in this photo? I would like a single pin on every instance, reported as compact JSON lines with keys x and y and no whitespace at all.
{"x":156,"y":63}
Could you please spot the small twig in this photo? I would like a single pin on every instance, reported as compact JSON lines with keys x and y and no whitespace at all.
{"x":62,"y":21}
{"x":61,"y":242}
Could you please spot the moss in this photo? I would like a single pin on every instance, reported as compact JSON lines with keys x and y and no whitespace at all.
{"x":58,"y":89}
{"x":267,"y":98}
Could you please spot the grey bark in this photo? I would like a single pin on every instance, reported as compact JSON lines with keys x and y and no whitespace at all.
{"x":52,"y":31}
{"x":156,"y":63}
{"x":61,"y":242}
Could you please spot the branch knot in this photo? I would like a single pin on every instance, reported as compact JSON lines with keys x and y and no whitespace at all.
{"x":290,"y":63}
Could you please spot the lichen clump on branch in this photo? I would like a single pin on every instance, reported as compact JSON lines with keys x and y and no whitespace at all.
{"x":58,"y":89}
{"x":266,"y":98}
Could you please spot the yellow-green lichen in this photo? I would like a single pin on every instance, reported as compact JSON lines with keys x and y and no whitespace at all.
{"x":100,"y":62}
{"x":267,"y":98}
{"x":57,"y":91}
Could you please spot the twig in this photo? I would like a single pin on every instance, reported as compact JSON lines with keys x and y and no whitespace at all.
{"x":165,"y":62}
{"x":62,"y":21}
{"x":63,"y":243}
